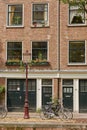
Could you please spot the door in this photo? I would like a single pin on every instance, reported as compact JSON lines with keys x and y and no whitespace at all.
{"x":16,"y":89}
{"x":32,"y":93}
{"x":68,"y":97}
{"x":15,"y":98}
{"x":46,"y":95}
{"x":83,"y":96}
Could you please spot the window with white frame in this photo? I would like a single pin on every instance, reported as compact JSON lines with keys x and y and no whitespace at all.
{"x":76,"y":16}
{"x":77,"y":52}
{"x":39,"y":50}
{"x":15,"y":15}
{"x":14,"y":51}
{"x":40,"y":14}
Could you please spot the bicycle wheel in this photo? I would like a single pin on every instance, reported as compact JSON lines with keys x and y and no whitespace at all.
{"x":65,"y":113}
{"x":3,"y":112}
{"x":43,"y":115}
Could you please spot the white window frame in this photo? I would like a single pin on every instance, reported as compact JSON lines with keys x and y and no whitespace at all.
{"x":7,"y":19}
{"x":75,"y":24}
{"x":40,"y":25}
{"x":47,"y":48}
{"x":85,"y":53}
{"x":7,"y":48}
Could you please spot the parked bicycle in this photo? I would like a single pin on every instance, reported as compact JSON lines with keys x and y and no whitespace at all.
{"x":55,"y":109}
{"x":3,"y":112}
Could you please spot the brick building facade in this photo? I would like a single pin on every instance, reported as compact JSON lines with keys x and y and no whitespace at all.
{"x":44,"y":29}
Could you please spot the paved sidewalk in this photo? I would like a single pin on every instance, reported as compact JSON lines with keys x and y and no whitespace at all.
{"x":17,"y":117}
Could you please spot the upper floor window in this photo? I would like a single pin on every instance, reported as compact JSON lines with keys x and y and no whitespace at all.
{"x":40,"y":15}
{"x":77,"y":52}
{"x":39,"y":50}
{"x":15,"y":15}
{"x":76,"y":16}
{"x":14,"y":51}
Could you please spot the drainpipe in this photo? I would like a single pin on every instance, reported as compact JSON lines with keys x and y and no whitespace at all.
{"x":58,"y":44}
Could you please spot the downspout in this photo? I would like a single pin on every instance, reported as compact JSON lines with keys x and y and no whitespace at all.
{"x":58,"y":46}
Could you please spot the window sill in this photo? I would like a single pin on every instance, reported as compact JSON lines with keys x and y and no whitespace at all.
{"x":40,"y":63}
{"x":75,"y":64}
{"x":9,"y":63}
{"x":15,"y":26}
{"x":39,"y":26}
{"x":77,"y":25}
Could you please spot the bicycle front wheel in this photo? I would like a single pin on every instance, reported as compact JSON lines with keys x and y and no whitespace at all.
{"x":65,"y":113}
{"x":3,"y":112}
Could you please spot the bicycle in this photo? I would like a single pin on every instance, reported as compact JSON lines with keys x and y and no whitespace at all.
{"x":3,"y":111}
{"x":51,"y":110}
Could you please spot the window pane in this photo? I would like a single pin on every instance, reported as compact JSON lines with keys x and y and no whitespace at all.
{"x":14,"y":51}
{"x":67,"y":81}
{"x":47,"y":82}
{"x":15,"y":15}
{"x":39,"y":50}
{"x":77,"y":52}
{"x":40,"y":13}
{"x":76,"y":16}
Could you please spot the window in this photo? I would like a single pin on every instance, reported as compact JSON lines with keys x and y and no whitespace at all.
{"x":15,"y":13}
{"x":47,"y":85}
{"x":40,"y":15}
{"x":67,"y":82}
{"x":77,"y":52}
{"x":83,"y":85}
{"x":76,"y":16}
{"x":47,"y":82}
{"x":39,"y":50}
{"x":14,"y":51}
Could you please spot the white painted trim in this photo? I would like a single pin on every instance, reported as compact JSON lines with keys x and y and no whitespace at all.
{"x":76,"y":96}
{"x":39,"y":95}
{"x":32,"y":11}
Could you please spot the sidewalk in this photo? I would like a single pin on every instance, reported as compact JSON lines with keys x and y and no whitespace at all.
{"x":16,"y":120}
{"x":34,"y":118}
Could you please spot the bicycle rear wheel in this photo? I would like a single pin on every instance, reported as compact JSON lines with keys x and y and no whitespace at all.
{"x":65,"y":113}
{"x":43,"y":115}
{"x":3,"y":112}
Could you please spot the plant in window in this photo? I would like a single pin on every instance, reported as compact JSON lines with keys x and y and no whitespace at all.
{"x":17,"y":20}
{"x":14,"y":62}
{"x":77,"y":19}
{"x":35,"y":24}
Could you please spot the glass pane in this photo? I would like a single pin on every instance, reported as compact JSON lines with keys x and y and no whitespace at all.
{"x":68,"y":82}
{"x":77,"y":52}
{"x":40,"y":13}
{"x":47,"y":82}
{"x":39,"y":50}
{"x":15,"y":15}
{"x":14,"y":51}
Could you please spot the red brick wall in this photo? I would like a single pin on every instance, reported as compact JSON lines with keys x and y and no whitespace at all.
{"x":27,"y":33}
{"x":68,"y":33}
